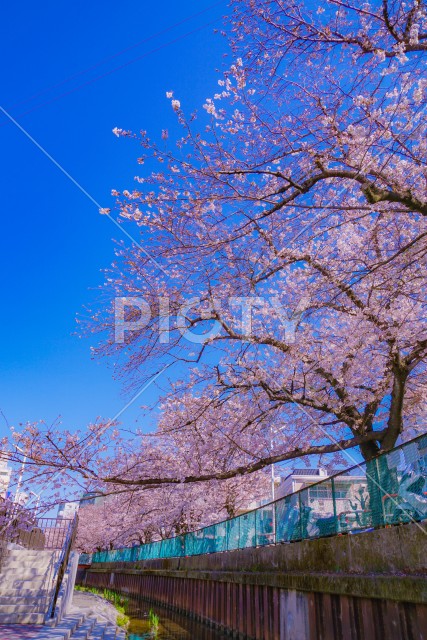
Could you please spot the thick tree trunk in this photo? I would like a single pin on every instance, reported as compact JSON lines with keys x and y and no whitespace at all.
{"x":380,"y":481}
{"x":374,"y":481}
{"x":395,"y":423}
{"x":369,"y":450}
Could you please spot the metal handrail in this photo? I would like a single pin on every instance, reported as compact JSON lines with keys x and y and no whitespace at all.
{"x":62,"y":564}
{"x":18,"y":524}
{"x":49,"y":573}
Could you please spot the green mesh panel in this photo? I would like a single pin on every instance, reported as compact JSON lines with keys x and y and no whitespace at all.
{"x":403,"y":489}
{"x":189,"y":544}
{"x":173,"y":547}
{"x":352,"y":503}
{"x":307,"y":517}
{"x":288,"y":519}
{"x":141,"y":551}
{"x":125,"y":555}
{"x":221,"y":536}
{"x":166,"y":548}
{"x":198,"y":542}
{"x":209,"y":539}
{"x":247,"y":530}
{"x":153,"y":550}
{"x":233,"y":533}
{"x":264,"y":525}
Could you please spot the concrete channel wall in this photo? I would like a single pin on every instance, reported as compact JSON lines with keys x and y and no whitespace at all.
{"x":371,"y":586}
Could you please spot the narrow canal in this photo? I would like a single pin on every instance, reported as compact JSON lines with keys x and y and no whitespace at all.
{"x":150,"y":622}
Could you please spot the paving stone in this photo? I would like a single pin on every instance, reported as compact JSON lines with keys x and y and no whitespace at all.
{"x":18,"y":632}
{"x":64,"y":629}
{"x":53,"y":634}
{"x":97,"y":632}
{"x":82,"y":632}
{"x":21,"y":618}
{"x":110,"y":634}
{"x":94,"y":606}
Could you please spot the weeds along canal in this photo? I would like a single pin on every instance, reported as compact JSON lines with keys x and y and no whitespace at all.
{"x":151,"y":622}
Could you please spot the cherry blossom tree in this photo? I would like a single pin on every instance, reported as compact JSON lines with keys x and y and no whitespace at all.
{"x":281,"y":265}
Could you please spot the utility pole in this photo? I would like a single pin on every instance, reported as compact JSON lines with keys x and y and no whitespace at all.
{"x":21,"y":473}
{"x":272,"y":477}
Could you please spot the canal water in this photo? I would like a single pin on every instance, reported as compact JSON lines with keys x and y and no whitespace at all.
{"x":150,"y":622}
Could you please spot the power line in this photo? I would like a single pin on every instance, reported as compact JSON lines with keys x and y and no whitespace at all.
{"x":120,"y":67}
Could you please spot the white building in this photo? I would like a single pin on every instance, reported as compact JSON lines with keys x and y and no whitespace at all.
{"x":5,"y":473}
{"x":345,"y":487}
{"x":68,"y":510}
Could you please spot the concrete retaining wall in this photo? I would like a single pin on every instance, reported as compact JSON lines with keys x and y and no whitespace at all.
{"x":367,"y":587}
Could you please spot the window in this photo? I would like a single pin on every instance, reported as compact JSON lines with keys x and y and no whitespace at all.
{"x":320,"y":492}
{"x":341,"y":491}
{"x":324,"y":492}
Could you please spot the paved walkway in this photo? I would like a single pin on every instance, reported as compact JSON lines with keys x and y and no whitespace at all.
{"x":88,"y":604}
{"x":91,"y":604}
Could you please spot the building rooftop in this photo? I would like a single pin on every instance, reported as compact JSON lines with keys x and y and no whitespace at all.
{"x":307,"y":472}
{"x":319,"y":472}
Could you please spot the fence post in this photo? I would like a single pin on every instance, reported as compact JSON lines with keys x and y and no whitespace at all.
{"x":334,"y":504}
{"x":381,"y":490}
{"x":374,"y":489}
{"x":275,"y":522}
{"x":300,"y":514}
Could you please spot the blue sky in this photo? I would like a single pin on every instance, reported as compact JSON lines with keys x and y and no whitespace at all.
{"x":54,"y":242}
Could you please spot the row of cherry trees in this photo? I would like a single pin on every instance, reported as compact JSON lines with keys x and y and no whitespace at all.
{"x":141,"y":516}
{"x":290,"y":218}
